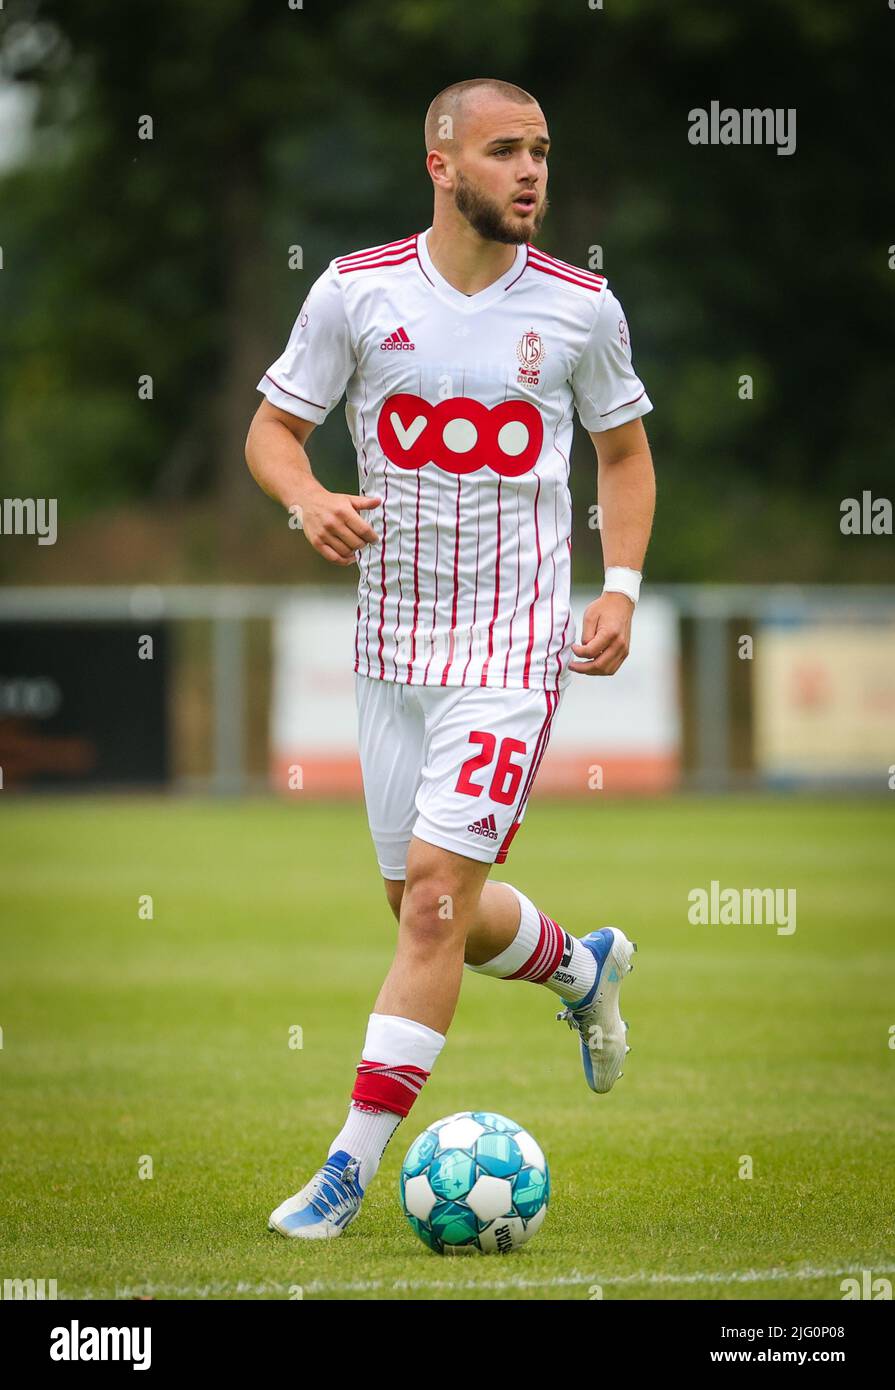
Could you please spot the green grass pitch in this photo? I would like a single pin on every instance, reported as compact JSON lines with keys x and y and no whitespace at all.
{"x":169,"y":1038}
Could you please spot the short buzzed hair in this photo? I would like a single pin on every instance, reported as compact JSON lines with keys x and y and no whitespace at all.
{"x":452,"y":101}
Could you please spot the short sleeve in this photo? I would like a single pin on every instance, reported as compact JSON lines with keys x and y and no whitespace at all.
{"x":310,"y":376}
{"x":607,"y":390}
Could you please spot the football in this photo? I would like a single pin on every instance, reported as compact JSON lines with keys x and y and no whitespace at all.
{"x":475,"y":1183}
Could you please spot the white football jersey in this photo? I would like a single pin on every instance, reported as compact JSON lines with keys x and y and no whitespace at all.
{"x":461,"y":408}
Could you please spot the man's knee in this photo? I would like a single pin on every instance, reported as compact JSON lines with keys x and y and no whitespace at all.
{"x":441,"y":893}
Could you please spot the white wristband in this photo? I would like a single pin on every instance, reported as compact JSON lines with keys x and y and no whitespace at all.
{"x":620,"y":580}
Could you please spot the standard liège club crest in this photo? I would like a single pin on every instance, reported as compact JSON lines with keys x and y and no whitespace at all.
{"x":531,"y":352}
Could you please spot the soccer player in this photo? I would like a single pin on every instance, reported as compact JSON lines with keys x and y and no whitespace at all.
{"x":463,"y":351}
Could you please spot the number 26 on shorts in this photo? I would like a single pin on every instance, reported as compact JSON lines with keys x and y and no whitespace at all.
{"x":506,"y":776}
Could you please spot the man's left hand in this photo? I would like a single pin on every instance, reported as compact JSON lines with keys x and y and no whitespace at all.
{"x":605,"y":636}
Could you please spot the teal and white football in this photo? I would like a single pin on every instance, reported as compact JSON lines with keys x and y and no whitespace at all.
{"x":475,"y":1183}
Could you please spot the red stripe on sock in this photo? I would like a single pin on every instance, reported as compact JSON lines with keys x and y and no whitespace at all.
{"x":558,"y":944}
{"x":522,"y":972}
{"x":546,"y":956}
{"x":388,"y":1087}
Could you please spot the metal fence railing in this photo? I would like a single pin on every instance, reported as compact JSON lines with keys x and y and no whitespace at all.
{"x":709,"y":609}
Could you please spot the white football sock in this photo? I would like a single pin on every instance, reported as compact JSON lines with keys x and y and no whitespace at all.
{"x":365,"y":1135}
{"x":544,"y":953}
{"x":397,"y":1059}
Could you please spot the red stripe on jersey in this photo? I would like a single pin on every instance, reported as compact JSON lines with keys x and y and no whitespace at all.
{"x":367,"y":567}
{"x":400,"y":585}
{"x":302,"y":398}
{"x":559,"y":650}
{"x":402,"y":334}
{"x":531,"y":607}
{"x":444,"y":674}
{"x":552,"y":593}
{"x":552,"y":619}
{"x":622,"y":406}
{"x":562,"y":640}
{"x":421,"y":267}
{"x":475,"y":587}
{"x":376,"y":252}
{"x":416,"y":582}
{"x":572,"y":279}
{"x":384,"y":264}
{"x":521,"y":272}
{"x":435,"y":604}
{"x":557,"y":264}
{"x":516,"y":600}
{"x":382,"y":579}
{"x":369,"y":606}
{"x":364,"y":559}
{"x":484,"y":679}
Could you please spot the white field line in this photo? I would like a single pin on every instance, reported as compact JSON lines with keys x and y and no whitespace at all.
{"x":573,"y":1280}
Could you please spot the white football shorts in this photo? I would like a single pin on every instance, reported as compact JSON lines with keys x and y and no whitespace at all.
{"x":453,"y":765}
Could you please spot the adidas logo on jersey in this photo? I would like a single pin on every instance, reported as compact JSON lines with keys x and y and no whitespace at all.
{"x":397,"y":342}
{"x":487,"y":826}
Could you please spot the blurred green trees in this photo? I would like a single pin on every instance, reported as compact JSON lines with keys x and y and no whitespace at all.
{"x":275,"y":127}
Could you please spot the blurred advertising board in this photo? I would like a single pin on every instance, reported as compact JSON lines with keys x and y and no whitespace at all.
{"x":83,"y":704}
{"x":620,"y":734}
{"x":824,"y":699}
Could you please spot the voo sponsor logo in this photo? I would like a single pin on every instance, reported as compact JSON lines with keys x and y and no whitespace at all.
{"x":460,"y":435}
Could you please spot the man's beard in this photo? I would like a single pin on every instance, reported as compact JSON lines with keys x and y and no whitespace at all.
{"x":487,"y":218}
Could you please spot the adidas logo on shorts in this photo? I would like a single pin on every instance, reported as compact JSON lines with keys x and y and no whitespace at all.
{"x":487,"y":826}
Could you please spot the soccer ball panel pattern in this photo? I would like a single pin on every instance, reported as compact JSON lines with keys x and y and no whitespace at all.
{"x":490,"y":1197}
{"x":475,"y":1183}
{"x":419,"y":1199}
{"x":460,"y":1133}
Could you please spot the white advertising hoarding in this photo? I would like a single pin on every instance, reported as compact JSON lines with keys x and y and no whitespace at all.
{"x":824,"y":694}
{"x":620,"y":733}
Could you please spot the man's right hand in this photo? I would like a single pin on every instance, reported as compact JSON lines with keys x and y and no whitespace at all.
{"x":334,"y":524}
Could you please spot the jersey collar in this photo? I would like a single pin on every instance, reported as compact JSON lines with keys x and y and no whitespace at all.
{"x":468,"y":303}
